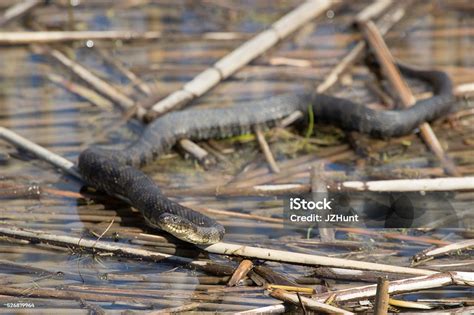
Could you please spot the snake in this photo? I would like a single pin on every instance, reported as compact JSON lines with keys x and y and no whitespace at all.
{"x":117,"y":172}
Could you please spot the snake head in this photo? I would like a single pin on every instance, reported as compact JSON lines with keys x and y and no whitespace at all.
{"x":188,"y":231}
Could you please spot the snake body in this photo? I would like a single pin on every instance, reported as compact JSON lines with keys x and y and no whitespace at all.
{"x":117,"y":171}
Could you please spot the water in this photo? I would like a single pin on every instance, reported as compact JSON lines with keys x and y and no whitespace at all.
{"x":51,"y":116}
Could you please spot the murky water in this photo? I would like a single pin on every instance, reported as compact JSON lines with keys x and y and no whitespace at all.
{"x":431,"y":35}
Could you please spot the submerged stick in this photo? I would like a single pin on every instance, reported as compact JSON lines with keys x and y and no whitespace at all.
{"x":241,"y":56}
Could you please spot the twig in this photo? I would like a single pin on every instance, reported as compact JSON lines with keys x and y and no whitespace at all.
{"x":18,"y":10}
{"x":105,"y":231}
{"x":241,"y":272}
{"x":28,"y":38}
{"x":51,"y":37}
{"x":386,"y":60}
{"x":196,"y":151}
{"x":444,"y":250}
{"x":303,"y":307}
{"x":381,"y":297}
{"x":58,"y":161}
{"x":266,"y":150}
{"x":427,"y":184}
{"x":296,"y":289}
{"x":306,"y":259}
{"x":241,"y":56}
{"x":308,"y":303}
{"x":285,"y":122}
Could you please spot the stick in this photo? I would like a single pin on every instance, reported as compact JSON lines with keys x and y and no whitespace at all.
{"x":444,"y":250}
{"x":241,"y":272}
{"x":427,"y":184}
{"x":241,"y":56}
{"x":58,"y":161}
{"x":196,"y":151}
{"x":266,"y":150}
{"x":386,"y":60}
{"x":28,"y":38}
{"x":18,"y":10}
{"x":308,"y":303}
{"x":51,"y":37}
{"x":381,"y":297}
{"x":306,"y":259}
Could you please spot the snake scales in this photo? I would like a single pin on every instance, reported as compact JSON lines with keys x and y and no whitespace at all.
{"x":117,"y":171}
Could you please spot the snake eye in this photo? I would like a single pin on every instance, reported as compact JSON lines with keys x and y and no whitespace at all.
{"x":174,"y":219}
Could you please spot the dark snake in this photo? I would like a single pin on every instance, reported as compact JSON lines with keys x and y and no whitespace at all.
{"x":117,"y":171}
